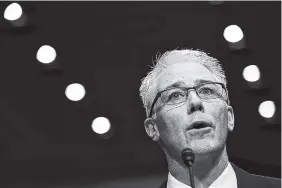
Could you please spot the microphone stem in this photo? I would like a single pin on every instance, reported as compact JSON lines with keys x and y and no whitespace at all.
{"x":191,"y":176}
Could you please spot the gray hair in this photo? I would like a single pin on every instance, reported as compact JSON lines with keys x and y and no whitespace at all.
{"x":170,"y":57}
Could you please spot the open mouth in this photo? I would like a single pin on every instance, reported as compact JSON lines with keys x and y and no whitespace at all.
{"x":199,"y":125}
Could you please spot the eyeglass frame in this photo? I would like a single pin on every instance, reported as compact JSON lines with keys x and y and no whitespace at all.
{"x":188,"y":89}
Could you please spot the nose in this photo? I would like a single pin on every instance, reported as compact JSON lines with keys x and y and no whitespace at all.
{"x":194,"y":103}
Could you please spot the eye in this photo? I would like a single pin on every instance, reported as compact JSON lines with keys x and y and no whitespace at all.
{"x":176,"y":95}
{"x":206,"y":91}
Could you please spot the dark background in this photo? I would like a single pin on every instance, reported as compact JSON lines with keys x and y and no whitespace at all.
{"x":108,"y":47}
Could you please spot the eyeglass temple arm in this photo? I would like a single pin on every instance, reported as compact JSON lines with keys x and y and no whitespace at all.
{"x":153,"y":103}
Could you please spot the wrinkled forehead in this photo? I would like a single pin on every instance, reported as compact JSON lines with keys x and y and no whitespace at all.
{"x":188,"y":74}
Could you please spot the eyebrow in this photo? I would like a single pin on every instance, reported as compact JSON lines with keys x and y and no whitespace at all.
{"x":181,"y":83}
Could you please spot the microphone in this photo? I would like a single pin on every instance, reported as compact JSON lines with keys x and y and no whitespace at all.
{"x":188,"y":158}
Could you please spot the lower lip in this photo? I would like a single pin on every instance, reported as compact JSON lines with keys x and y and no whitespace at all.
{"x":201,"y":131}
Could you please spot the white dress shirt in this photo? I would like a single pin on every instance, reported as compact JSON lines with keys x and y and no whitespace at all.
{"x":226,"y":179}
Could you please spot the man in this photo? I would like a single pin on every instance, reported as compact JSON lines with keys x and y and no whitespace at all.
{"x":187,"y":106}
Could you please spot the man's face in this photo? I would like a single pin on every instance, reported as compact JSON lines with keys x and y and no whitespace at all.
{"x":170,"y":124}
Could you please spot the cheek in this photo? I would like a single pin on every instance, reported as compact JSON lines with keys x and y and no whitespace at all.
{"x":220,"y":115}
{"x":221,"y":121}
{"x":169,"y":125}
{"x":172,"y":138}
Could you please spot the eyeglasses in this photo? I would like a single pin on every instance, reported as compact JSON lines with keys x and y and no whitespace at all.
{"x":178,"y":95}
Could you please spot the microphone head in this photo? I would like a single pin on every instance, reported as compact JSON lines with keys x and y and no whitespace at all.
{"x":188,"y":156}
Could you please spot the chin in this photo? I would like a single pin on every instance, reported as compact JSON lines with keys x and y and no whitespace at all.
{"x":203,"y":147}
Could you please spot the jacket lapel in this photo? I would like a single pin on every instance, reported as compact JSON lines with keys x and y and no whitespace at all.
{"x":244,"y":179}
{"x":163,"y":185}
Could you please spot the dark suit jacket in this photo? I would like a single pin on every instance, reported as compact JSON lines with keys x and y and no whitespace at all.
{"x":247,"y":180}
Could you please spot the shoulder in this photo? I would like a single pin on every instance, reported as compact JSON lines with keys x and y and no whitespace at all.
{"x":264,"y":181}
{"x":246,"y":179}
{"x":164,"y":184}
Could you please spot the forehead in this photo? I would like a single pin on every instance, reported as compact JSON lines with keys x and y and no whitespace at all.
{"x":186,"y":72}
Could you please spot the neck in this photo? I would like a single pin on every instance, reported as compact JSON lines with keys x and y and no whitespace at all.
{"x":206,"y":168}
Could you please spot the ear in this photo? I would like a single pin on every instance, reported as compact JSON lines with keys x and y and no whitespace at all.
{"x":230,"y":118}
{"x":152,"y":129}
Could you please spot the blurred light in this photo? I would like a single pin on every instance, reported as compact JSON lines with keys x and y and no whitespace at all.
{"x":13,"y":12}
{"x":251,"y":73}
{"x":233,"y":33}
{"x":267,"y":109}
{"x":101,"y":125}
{"x":46,"y":54}
{"x":75,"y":92}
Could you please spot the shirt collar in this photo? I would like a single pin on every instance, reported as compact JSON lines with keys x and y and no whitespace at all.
{"x":226,"y":179}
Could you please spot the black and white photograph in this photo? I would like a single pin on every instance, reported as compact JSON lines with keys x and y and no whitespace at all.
{"x":140,"y":94}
